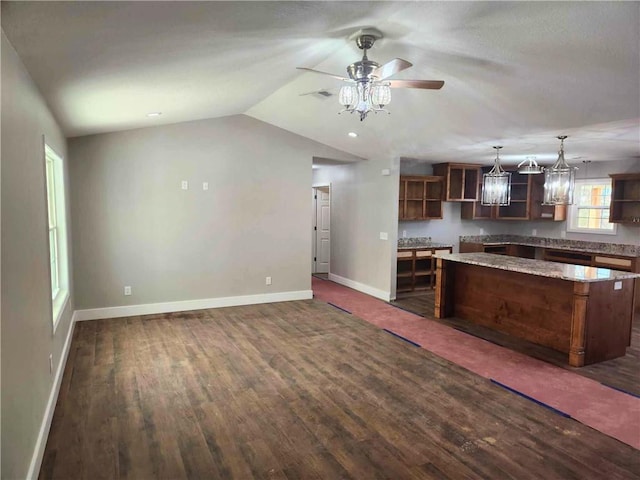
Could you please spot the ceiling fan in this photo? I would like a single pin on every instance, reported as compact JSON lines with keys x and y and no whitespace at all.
{"x":368,"y":87}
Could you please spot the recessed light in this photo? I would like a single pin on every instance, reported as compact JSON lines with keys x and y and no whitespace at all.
{"x":353,"y":134}
{"x":154,"y":114}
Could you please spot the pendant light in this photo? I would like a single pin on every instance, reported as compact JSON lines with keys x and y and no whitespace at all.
{"x":496,"y":184}
{"x":529,"y":166}
{"x":559,"y":180}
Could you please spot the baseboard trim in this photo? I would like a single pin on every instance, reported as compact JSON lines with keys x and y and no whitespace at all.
{"x":361,"y":287}
{"x":181,"y":306}
{"x":43,"y":435}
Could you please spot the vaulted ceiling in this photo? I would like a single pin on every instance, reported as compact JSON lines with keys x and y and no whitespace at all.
{"x":516,"y":74}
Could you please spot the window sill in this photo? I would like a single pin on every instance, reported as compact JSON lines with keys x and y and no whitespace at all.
{"x":591,"y":232}
{"x":58,"y":306}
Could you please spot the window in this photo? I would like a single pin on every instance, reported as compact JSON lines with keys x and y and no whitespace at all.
{"x":590,"y":210}
{"x":56,"y":214}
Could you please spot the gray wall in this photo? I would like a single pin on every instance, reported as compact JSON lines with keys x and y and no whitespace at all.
{"x":27,"y":334}
{"x":451,"y":227}
{"x":363,"y":203}
{"x":133,"y":225}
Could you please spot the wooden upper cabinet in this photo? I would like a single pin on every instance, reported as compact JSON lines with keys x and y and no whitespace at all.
{"x":552,"y":213}
{"x":625,"y":198}
{"x":527,"y":193}
{"x":460,"y":179}
{"x":420,"y":197}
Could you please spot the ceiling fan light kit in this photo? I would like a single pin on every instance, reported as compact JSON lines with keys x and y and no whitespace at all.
{"x":496,"y":184}
{"x":368,"y":88}
{"x":559,"y":180}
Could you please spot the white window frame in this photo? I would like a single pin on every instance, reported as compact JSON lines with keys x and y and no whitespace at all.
{"x":57,"y":233}
{"x":572,"y":211}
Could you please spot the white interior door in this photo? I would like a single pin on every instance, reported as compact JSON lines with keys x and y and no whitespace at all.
{"x":322,"y":250}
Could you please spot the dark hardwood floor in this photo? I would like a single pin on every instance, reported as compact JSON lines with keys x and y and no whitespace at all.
{"x":298,"y":390}
{"x":621,"y":373}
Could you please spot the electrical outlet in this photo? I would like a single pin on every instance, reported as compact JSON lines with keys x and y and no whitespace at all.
{"x":267,"y":281}
{"x":51,"y":363}
{"x":482,"y":231}
{"x":185,"y":185}
{"x":534,"y":232}
{"x":127,"y":290}
{"x":563,"y":234}
{"x":384,"y":236}
{"x":404,"y":234}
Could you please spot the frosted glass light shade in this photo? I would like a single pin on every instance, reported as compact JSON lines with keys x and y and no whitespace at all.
{"x":348,"y":95}
{"x":496,"y":189}
{"x":559,"y":184}
{"x":381,"y":95}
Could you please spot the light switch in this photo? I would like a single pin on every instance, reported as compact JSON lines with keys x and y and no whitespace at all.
{"x":185,"y":185}
{"x":205,"y":185}
{"x":384,"y":236}
{"x":617,"y":285}
{"x":386,"y":172}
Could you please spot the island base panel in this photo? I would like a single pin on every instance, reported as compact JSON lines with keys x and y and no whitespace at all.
{"x":589,"y":321}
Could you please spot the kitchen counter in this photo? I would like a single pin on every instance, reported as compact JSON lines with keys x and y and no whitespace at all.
{"x":420,"y":242}
{"x":626,"y":250}
{"x":541,"y":268}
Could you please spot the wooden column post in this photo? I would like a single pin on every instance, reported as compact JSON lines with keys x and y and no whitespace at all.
{"x":578,"y":324}
{"x":441,"y":287}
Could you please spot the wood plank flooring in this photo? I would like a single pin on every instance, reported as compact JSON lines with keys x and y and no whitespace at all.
{"x":298,"y":390}
{"x":621,"y":373}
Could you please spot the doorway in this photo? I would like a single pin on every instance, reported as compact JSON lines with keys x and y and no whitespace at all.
{"x":321,"y":215}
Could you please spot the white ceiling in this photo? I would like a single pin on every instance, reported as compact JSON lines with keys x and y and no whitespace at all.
{"x":517,"y":74}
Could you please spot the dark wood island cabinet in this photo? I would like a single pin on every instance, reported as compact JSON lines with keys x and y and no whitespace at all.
{"x":585,"y":312}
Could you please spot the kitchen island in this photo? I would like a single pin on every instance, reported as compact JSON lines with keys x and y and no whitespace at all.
{"x":585,"y":312}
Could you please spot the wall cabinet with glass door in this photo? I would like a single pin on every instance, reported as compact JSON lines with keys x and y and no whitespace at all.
{"x":420,"y":197}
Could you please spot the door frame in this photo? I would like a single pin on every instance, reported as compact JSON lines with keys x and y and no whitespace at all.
{"x":314,"y":221}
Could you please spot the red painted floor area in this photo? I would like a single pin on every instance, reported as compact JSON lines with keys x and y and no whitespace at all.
{"x":609,"y":411}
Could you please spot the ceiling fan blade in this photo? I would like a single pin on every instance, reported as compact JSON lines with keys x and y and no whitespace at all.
{"x":323,"y":73}
{"x":391,"y":68}
{"x":427,"y":84}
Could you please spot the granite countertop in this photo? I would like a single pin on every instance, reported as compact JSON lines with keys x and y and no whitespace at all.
{"x":557,"y":243}
{"x":576,"y":273}
{"x":420,"y":242}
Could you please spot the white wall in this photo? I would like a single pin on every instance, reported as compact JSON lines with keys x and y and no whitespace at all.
{"x":27,"y":336}
{"x":133,"y":225}
{"x":364,"y":203}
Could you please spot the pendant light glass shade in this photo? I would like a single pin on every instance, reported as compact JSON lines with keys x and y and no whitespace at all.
{"x":559,"y":180}
{"x":496,"y":184}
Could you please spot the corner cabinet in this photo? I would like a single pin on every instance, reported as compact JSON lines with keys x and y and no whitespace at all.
{"x":420,"y":197}
{"x":461,"y":181}
{"x":417,"y":268}
{"x":625,"y":199}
